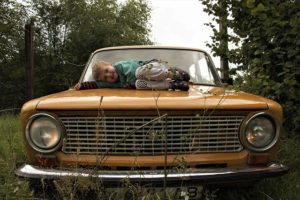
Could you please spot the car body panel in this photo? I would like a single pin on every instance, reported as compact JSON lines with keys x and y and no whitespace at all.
{"x":197,"y":98}
{"x":200,"y":100}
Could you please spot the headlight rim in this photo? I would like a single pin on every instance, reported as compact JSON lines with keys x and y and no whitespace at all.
{"x":242,"y":133}
{"x":31,"y":143}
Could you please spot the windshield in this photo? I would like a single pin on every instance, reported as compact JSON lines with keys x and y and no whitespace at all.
{"x":196,"y":63}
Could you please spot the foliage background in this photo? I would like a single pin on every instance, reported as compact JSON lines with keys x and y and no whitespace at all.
{"x":264,"y":38}
{"x":66,"y":33}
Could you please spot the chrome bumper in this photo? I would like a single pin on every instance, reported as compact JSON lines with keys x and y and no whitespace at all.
{"x":158,"y":176}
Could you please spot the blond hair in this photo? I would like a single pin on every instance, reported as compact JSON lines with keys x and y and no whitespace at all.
{"x":96,"y":68}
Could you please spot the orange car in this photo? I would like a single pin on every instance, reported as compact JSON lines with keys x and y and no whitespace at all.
{"x":208,"y":134}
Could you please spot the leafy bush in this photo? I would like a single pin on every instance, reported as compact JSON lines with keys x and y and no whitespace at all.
{"x":66,"y":32}
{"x":268,"y":39}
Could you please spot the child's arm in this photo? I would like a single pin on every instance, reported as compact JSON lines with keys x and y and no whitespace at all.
{"x":86,"y":85}
{"x":96,"y":84}
{"x":101,"y":84}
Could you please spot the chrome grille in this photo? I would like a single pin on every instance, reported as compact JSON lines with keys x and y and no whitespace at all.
{"x":147,"y":135}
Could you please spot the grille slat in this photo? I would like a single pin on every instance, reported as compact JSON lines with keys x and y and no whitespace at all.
{"x":158,"y":148}
{"x":159,"y":126}
{"x":128,"y":135}
{"x":130,"y":139}
{"x":190,"y":131}
{"x":146,"y":145}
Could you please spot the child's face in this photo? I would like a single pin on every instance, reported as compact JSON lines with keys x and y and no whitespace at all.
{"x":108,"y":73}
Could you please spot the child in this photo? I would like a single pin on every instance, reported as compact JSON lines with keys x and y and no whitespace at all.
{"x":136,"y":74}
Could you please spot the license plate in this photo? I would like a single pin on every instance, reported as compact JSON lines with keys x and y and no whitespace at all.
{"x":185,"y":193}
{"x":176,"y":193}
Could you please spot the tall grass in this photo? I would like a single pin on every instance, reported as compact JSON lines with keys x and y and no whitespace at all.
{"x":12,"y":155}
{"x":285,"y":187}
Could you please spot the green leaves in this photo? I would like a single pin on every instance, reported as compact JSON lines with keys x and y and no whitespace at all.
{"x":259,"y":9}
{"x":268,"y":50}
{"x":71,"y":30}
{"x":13,"y":17}
{"x":66,"y":33}
{"x":250,"y":3}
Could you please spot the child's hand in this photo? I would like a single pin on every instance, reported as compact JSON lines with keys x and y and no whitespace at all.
{"x":77,"y":86}
{"x":86,"y":85}
{"x":126,"y":86}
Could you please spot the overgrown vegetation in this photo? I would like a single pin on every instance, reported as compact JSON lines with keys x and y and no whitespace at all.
{"x":66,"y":33}
{"x":12,"y":154}
{"x":265,"y":40}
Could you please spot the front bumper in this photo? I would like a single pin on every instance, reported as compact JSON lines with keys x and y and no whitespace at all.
{"x":157,"y":177}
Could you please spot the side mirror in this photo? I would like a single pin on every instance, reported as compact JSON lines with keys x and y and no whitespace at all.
{"x":228,"y":81}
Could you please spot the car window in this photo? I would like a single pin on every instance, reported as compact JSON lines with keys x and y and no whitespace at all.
{"x":192,"y":61}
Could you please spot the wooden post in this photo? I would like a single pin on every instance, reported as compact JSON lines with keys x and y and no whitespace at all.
{"x":29,"y":60}
{"x":224,"y":63}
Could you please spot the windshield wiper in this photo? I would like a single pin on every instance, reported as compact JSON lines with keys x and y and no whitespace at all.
{"x":206,"y":84}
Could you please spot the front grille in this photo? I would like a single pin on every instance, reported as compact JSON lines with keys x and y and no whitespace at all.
{"x":148,"y":135}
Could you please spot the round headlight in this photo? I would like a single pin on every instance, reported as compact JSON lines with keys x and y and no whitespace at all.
{"x":260,"y":132}
{"x":44,"y":133}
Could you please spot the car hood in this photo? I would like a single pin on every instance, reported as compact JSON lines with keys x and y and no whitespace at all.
{"x":198,"y":97}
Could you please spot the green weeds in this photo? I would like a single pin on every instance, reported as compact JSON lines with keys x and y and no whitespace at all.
{"x":11,"y":155}
{"x":285,"y":187}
